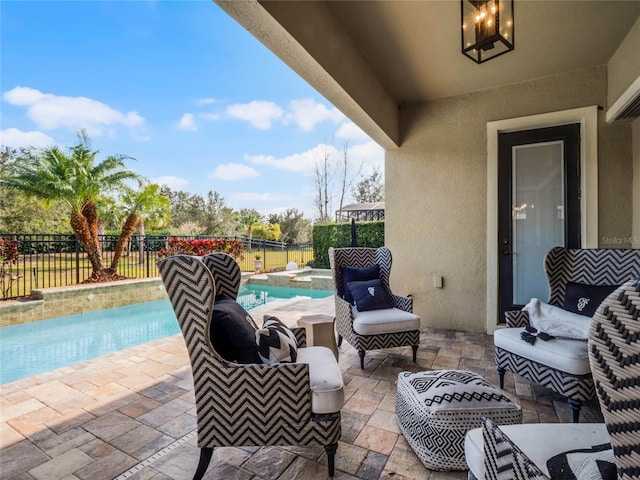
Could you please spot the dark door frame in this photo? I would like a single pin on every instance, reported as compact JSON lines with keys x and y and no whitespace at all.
{"x":570,"y":136}
{"x":588,"y":118}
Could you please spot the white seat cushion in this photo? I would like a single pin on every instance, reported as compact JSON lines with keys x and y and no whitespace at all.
{"x":538,"y":441}
{"x":388,"y":320}
{"x":327,"y":389}
{"x":564,"y":354}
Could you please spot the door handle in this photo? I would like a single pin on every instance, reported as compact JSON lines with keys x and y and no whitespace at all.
{"x":508,"y":252}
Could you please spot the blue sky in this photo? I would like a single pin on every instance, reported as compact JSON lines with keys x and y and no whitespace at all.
{"x":178,"y":85}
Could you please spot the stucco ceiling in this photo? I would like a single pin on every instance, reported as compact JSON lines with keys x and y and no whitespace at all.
{"x":370,"y":57}
{"x":414,"y":46}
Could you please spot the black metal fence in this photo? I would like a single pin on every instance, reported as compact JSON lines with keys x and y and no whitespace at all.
{"x":59,"y":260}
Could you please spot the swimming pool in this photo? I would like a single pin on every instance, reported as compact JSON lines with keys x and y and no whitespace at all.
{"x":32,"y":348}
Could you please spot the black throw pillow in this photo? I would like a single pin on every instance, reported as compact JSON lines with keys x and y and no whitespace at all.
{"x":370,"y":295}
{"x":585,"y":299}
{"x":353,"y":274}
{"x":233,"y":332}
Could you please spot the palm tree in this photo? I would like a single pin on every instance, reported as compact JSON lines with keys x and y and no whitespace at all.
{"x":247,"y":219}
{"x":110,"y":213}
{"x":78,"y":181}
{"x":146,"y":204}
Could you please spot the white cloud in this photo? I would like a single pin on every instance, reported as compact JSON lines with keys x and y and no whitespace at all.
{"x":370,"y":154}
{"x":259,"y":113}
{"x":173,"y":183}
{"x":12,"y":137}
{"x":206,"y":101}
{"x":234,"y":171}
{"x":307,"y":113}
{"x":209,"y":116}
{"x":188,"y":122}
{"x":300,"y":162}
{"x":49,"y":112}
{"x":350,"y":131}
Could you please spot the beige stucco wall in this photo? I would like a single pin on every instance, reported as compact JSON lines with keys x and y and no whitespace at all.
{"x":436,"y":189}
{"x":624,"y":65}
{"x":635,"y":231}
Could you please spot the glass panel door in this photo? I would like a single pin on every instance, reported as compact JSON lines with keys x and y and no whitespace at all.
{"x":537,"y":215}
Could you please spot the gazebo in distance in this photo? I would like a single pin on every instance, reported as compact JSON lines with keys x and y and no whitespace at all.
{"x":361,"y":212}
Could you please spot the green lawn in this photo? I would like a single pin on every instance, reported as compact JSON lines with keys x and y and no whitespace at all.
{"x":62,"y":269}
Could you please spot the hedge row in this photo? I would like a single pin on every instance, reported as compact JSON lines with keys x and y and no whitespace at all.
{"x":368,"y":234}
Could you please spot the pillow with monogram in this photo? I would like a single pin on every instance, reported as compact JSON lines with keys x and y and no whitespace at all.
{"x":585,"y":299}
{"x":370,"y":295}
{"x":354,"y":274}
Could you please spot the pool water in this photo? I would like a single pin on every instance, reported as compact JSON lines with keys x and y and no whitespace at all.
{"x":32,"y":348}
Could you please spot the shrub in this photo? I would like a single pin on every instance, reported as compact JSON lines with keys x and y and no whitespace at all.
{"x":187,"y":246}
{"x":8,"y":256}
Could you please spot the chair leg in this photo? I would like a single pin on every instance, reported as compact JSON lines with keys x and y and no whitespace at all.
{"x":361,"y":354}
{"x":415,"y":352}
{"x":575,"y":406}
{"x":203,"y":464}
{"x":331,"y":457}
{"x":501,"y":372}
{"x":339,"y":340}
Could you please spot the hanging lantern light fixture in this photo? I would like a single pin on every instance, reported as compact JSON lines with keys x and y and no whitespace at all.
{"x":487,"y":28}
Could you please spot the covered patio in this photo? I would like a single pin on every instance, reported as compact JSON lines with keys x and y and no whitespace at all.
{"x":396,"y":69}
{"x":131,"y":414}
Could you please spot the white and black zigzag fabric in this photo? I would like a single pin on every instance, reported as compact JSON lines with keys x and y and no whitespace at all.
{"x":276,"y":343}
{"x":614,"y":355}
{"x":226,"y":274}
{"x":503,"y":460}
{"x":435,"y":409}
{"x":577,"y":387}
{"x":238,"y":405}
{"x":605,"y":266}
{"x":598,"y":266}
{"x":361,"y":258}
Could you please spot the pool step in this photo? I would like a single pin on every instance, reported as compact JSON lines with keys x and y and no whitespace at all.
{"x":291,"y":279}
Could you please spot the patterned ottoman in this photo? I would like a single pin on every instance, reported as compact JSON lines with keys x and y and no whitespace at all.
{"x":435,"y":409}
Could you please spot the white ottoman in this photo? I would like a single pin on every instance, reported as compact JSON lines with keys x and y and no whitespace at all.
{"x":435,"y":409}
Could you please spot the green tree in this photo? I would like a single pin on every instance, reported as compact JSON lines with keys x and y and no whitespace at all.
{"x":247,"y":219}
{"x":217,"y":217}
{"x":22,"y":214}
{"x":145,"y":204}
{"x":111,"y":214}
{"x":370,"y":189}
{"x":294,"y":227}
{"x":185,"y":208}
{"x":77,"y":180}
{"x":267,"y":231}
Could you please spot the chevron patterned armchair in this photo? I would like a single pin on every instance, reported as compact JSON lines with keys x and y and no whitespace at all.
{"x":562,"y":364}
{"x":583,"y":450}
{"x":396,"y":326}
{"x":249,"y":404}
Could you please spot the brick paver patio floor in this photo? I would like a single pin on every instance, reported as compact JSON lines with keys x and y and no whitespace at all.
{"x":131,"y":415}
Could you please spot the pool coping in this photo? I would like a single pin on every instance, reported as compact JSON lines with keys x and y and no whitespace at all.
{"x":289,"y":278}
{"x":54,"y":302}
